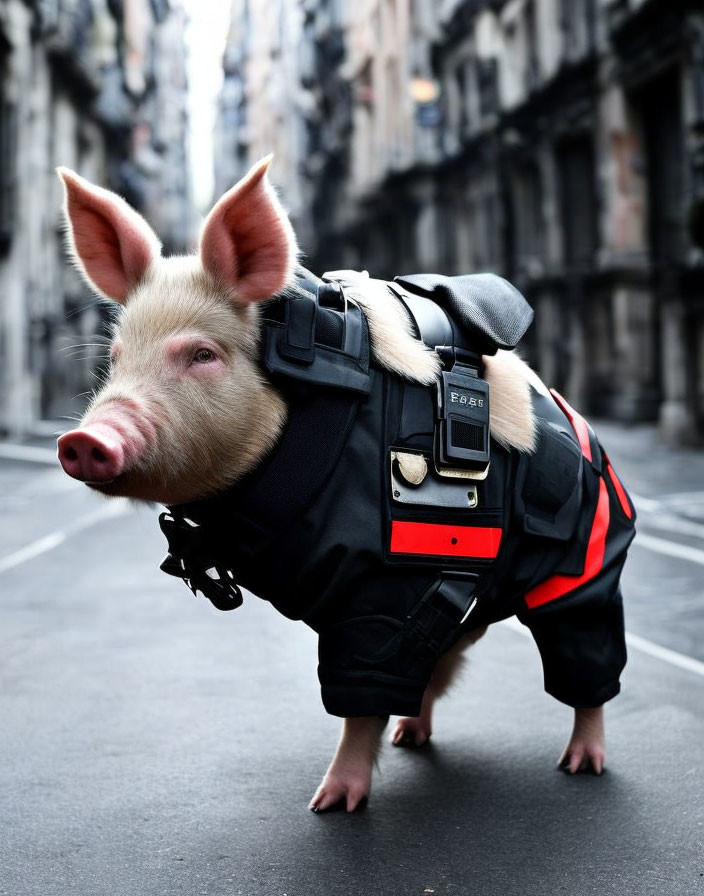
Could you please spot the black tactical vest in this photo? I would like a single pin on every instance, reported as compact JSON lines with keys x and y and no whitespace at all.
{"x":388,"y":520}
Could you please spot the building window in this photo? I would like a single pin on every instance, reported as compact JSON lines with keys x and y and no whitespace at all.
{"x":461,"y":87}
{"x":486,"y":231}
{"x":8,"y":173}
{"x":532,"y":70}
{"x":576,"y":172}
{"x":577,"y":27}
{"x":527,"y":201}
{"x":488,"y":86}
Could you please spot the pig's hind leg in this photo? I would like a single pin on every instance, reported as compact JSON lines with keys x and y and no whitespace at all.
{"x":349,"y":779}
{"x":415,"y":732}
{"x":585,"y":749}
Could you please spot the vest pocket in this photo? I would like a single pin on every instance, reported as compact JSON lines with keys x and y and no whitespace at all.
{"x":552,"y":487}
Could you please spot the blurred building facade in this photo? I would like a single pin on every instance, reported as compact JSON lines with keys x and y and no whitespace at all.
{"x":559,"y":142}
{"x":99,"y":86}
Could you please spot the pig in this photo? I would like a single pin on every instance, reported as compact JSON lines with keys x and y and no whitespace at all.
{"x":187,"y":411}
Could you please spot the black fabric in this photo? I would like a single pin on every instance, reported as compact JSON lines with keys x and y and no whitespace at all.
{"x":580,"y":635}
{"x":312,"y":344}
{"x":277,"y":492}
{"x":551,"y":488}
{"x":492,"y":313}
{"x":310,"y":531}
{"x":299,"y":342}
{"x":329,"y":328}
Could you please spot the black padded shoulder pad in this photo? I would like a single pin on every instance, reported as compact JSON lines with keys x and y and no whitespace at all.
{"x":488,"y":309}
{"x":304,"y":340}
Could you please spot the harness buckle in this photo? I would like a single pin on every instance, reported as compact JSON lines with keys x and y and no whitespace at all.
{"x":191,"y":558}
{"x":436,"y":621}
{"x":462,"y":427}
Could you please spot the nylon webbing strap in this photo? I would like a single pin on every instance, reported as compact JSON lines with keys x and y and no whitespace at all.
{"x":438,"y":619}
{"x":299,"y":343}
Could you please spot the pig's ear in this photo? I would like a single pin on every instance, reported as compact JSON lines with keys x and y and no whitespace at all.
{"x":111,"y":243}
{"x":248,"y":244}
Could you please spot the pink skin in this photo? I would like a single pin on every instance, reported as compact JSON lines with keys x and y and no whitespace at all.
{"x":585,"y":749}
{"x":95,"y":453}
{"x":111,"y":441}
{"x":349,"y":778}
{"x":248,"y":243}
{"x":416,"y":731}
{"x":113,"y":243}
{"x":115,"y":436}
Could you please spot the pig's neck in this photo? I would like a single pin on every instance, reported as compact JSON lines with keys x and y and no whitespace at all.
{"x":270,"y":413}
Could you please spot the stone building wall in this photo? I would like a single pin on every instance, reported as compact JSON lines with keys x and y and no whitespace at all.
{"x":80,"y":85}
{"x":264,"y":71}
{"x":559,"y":142}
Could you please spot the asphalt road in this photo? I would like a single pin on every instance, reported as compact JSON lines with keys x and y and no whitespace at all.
{"x":151,"y":745}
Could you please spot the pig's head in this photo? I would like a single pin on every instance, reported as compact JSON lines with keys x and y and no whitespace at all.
{"x":184,"y":411}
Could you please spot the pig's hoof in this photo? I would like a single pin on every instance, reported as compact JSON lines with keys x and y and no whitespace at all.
{"x":335,"y":795}
{"x":582,"y":762}
{"x":410,"y":733}
{"x":340,"y":806}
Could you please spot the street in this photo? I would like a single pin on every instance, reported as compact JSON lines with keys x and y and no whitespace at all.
{"x":152,"y":745}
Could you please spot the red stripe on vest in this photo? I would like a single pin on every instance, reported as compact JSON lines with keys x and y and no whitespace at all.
{"x":436,"y":540}
{"x":559,"y":585}
{"x":620,"y":491}
{"x":579,"y":424}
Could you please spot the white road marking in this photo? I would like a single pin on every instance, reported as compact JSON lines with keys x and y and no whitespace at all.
{"x":667,"y":522}
{"x":647,"y":505}
{"x":681,"y":660}
{"x":115,"y":508}
{"x":683,"y":499}
{"x":670,"y":548}
{"x":28,"y":453}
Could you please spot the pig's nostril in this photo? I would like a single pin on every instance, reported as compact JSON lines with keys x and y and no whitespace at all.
{"x":98,"y":455}
{"x":92,"y":454}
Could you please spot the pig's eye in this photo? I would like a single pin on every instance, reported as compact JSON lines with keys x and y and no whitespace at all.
{"x":203,"y":355}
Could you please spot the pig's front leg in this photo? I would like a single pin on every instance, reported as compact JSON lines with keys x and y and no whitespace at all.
{"x":585,"y":748}
{"x":349,"y":777}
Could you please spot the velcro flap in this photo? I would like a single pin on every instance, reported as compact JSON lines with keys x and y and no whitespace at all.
{"x":490,"y":311}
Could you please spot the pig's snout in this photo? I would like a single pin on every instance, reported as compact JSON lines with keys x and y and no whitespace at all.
{"x":94,"y":453}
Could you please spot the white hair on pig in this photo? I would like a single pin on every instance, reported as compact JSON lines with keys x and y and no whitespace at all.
{"x":397,"y":349}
